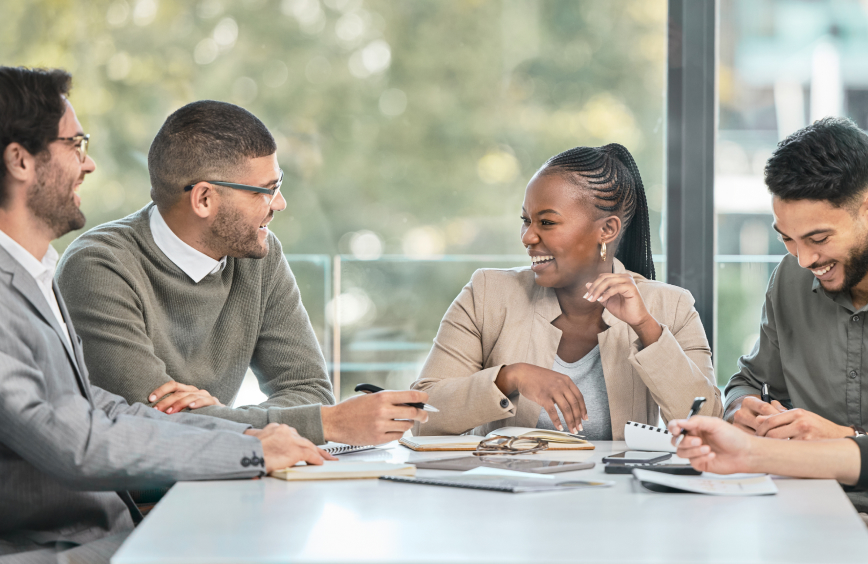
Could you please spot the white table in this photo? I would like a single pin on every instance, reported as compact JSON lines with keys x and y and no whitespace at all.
{"x":364,"y":521}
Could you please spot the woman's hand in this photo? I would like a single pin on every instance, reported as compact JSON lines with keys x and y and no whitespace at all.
{"x":547,"y":388}
{"x":618,"y":294}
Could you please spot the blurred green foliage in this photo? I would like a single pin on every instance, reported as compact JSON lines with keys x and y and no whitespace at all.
{"x":418,"y":121}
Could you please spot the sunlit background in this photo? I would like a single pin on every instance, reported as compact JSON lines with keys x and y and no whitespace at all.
{"x":408,"y":130}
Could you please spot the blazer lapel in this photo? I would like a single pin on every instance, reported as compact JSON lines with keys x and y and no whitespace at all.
{"x":24,"y":283}
{"x":615,"y":348}
{"x":77,"y":353}
{"x":542,"y":347}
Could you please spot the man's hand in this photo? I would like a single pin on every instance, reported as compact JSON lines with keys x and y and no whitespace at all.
{"x":799,"y":424}
{"x":713,"y":445}
{"x":283,"y":447}
{"x":372,"y":419}
{"x":547,"y":388}
{"x":751,"y":408}
{"x":181,"y":396}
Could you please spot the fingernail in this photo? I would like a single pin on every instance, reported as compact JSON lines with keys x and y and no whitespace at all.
{"x":581,"y":428}
{"x":590,"y":298}
{"x":585,"y":296}
{"x":152,"y":398}
{"x":560,"y":428}
{"x":169,"y":410}
{"x":193,"y":404}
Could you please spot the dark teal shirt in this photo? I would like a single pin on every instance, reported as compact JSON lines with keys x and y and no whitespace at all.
{"x":811,"y":350}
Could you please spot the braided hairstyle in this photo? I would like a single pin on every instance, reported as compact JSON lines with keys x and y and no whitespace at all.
{"x":613,"y":177}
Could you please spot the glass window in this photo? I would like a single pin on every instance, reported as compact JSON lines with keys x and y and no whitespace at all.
{"x":783,"y":64}
{"x":405,"y":128}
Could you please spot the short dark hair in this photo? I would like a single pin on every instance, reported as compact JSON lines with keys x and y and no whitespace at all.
{"x":616,"y":185}
{"x":204,"y":140}
{"x":31,"y":106}
{"x":828,"y":160}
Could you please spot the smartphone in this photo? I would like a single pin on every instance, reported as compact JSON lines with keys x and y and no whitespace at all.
{"x":637,"y":456}
{"x":681,"y":469}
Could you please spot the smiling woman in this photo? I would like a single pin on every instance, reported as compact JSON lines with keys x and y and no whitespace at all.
{"x":584,"y":338}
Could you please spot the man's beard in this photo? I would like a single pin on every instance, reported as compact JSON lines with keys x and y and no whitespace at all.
{"x":234,"y":237}
{"x":856,"y":267}
{"x":51,"y":200}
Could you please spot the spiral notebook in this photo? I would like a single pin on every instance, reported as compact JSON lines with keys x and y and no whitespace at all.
{"x":640,"y":436}
{"x":340,"y":448}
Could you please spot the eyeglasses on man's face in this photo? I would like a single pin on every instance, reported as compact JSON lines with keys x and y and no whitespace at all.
{"x":81,"y":142}
{"x":269,"y":191}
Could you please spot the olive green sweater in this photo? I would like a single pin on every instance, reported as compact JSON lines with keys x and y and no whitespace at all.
{"x":144,"y":322}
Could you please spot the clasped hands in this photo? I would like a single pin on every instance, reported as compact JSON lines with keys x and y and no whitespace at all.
{"x":775,"y":421}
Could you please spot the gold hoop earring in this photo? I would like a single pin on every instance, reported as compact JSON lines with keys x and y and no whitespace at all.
{"x":603,"y":252}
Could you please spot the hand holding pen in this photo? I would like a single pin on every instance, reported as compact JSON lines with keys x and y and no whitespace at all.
{"x":697,"y":405}
{"x":372,"y":389}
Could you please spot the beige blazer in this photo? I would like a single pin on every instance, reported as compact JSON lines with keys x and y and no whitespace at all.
{"x":502,"y":317}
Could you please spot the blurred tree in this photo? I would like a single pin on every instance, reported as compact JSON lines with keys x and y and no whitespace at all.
{"x":419,"y":122}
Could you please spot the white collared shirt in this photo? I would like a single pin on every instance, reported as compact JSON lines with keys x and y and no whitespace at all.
{"x":41,"y":271}
{"x":195,"y":264}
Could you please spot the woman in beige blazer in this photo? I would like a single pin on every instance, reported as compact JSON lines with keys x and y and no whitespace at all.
{"x":513,"y":344}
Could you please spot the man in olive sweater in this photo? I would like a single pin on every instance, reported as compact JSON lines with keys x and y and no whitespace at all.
{"x":176,"y":300}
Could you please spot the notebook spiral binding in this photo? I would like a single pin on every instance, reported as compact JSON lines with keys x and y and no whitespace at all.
{"x":345,"y":449}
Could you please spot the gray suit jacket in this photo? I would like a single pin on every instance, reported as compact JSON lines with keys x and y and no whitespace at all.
{"x":67,"y":447}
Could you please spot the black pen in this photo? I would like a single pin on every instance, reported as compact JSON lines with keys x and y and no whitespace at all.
{"x":372,"y":389}
{"x":764,"y":394}
{"x":697,"y":405}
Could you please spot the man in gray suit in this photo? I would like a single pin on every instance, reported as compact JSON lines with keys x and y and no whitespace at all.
{"x":69,"y":449}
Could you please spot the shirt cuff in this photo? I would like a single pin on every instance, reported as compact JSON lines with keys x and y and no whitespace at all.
{"x":862,"y":441}
{"x":736,"y":393}
{"x":306,"y":419}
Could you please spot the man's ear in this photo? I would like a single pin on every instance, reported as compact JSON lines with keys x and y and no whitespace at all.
{"x":203,"y":200}
{"x":862,"y":210}
{"x":611,"y":229}
{"x":20,"y":164}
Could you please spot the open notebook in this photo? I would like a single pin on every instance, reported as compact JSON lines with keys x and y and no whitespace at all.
{"x":558,"y":440}
{"x":332,"y":470}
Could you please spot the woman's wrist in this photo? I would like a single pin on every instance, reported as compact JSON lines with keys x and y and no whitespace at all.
{"x":648,"y":330}
{"x":505,"y":380}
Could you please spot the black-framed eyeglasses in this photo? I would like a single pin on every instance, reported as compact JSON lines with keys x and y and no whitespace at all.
{"x":81,"y":143}
{"x":270,"y":191}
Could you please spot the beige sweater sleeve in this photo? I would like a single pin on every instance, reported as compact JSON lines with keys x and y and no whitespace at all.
{"x":455,"y":376}
{"x":678,"y":368}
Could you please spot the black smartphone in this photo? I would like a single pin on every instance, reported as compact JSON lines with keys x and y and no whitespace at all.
{"x":682,"y":469}
{"x":637,"y":456}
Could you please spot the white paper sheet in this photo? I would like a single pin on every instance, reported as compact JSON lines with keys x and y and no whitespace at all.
{"x":754,"y":485}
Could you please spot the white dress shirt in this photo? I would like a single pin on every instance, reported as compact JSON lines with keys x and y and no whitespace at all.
{"x":195,"y":264}
{"x":42,"y":271}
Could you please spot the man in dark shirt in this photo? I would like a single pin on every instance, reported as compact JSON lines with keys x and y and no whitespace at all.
{"x":811,"y":350}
